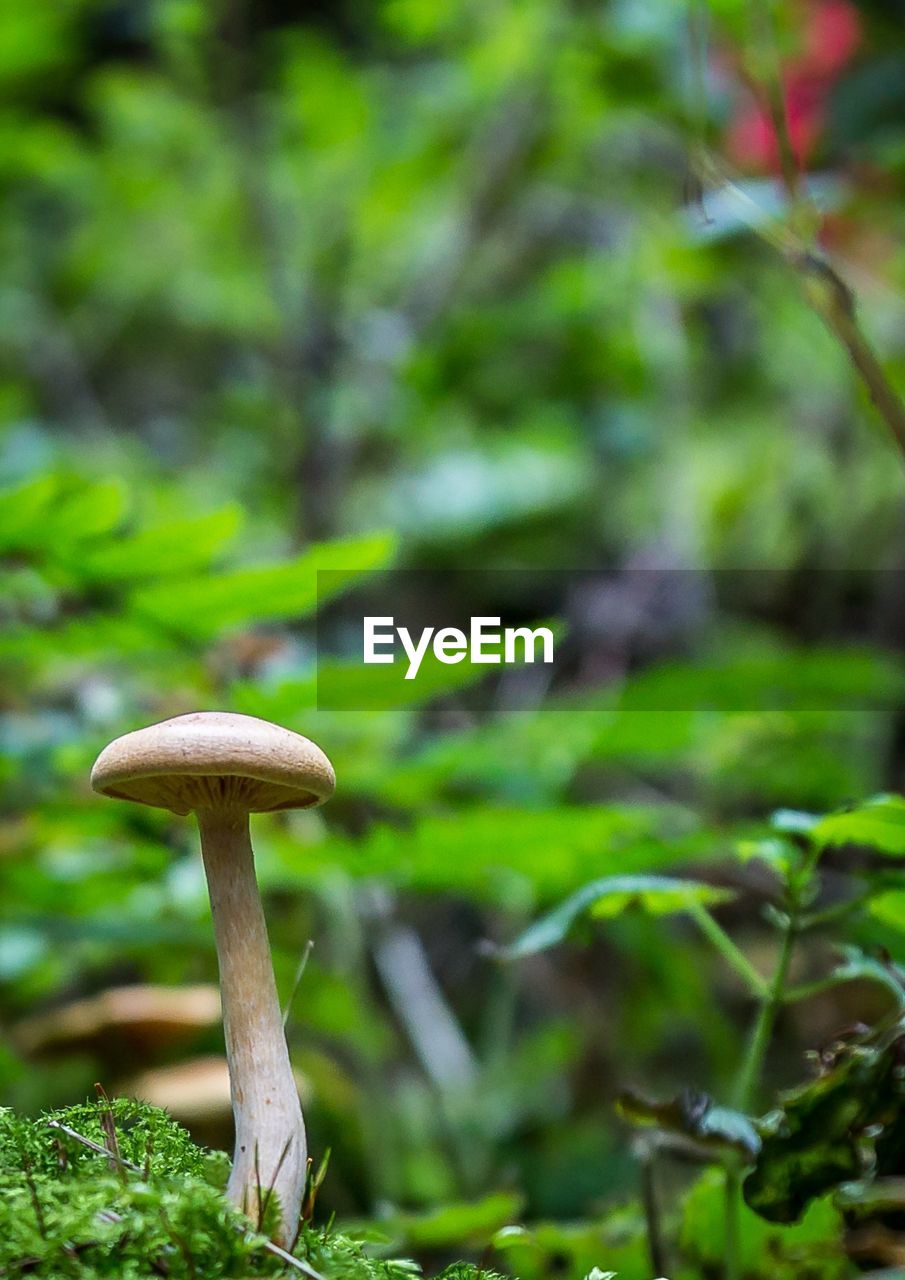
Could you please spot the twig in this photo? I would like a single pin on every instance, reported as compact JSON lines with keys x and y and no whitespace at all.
{"x":776,"y":99}
{"x":834,"y":302}
{"x":58,"y":368}
{"x":827,"y":294}
{"x":292,"y":1260}
{"x":825,"y":290}
{"x":494,"y":161}
{"x":92,"y":1146}
{"x":108,"y":1124}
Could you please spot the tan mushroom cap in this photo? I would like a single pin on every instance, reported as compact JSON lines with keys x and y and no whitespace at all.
{"x":147,"y":1016}
{"x":196,"y":1090}
{"x":193,"y":1091}
{"x":215,"y":759}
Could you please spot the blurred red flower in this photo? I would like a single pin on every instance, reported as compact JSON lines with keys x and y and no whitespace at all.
{"x":829,"y":37}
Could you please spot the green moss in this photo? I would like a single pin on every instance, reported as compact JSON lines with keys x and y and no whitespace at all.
{"x":145,"y":1137}
{"x":159,"y":1210}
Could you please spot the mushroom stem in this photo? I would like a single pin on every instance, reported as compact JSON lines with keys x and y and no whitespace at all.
{"x":270,"y":1149}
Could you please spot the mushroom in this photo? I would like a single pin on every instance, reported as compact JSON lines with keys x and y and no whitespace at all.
{"x":195,"y":1092}
{"x":146,"y":1018}
{"x":222,"y":767}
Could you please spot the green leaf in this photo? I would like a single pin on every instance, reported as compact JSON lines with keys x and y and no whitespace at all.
{"x":53,"y":513}
{"x":203,"y":606}
{"x":87,"y":512}
{"x":767,"y":1250}
{"x":754,"y":677}
{"x":524,"y":756}
{"x":466,"y":1224}
{"x":617,"y":1240}
{"x":23,"y":508}
{"x":164,"y":550}
{"x":609,"y":897}
{"x":776,"y":853}
{"x":857,"y":966}
{"x":649,"y":737}
{"x":692,"y":1115}
{"x":492,"y":853}
{"x":833,"y":1129}
{"x":878,"y":825}
{"x":889,"y":907}
{"x":351,"y":686}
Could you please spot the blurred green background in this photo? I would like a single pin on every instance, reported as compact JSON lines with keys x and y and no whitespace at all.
{"x":397,"y":284}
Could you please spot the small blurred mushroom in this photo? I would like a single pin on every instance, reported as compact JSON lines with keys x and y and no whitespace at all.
{"x":197,"y":1094}
{"x":141,"y":1019}
{"x":194,"y":1092}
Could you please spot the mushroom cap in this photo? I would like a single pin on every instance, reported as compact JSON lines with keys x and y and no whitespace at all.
{"x":195,"y":1091}
{"x":149,"y":1017}
{"x":215,"y":759}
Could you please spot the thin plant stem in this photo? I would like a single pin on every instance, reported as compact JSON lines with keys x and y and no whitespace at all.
{"x":733,"y":955}
{"x":762,"y":1031}
{"x":797,"y":895}
{"x":651,"y":1203}
{"x":35,"y":1198}
{"x":297,"y":980}
{"x":834,"y":914}
{"x":697,"y":37}
{"x":291,"y":1260}
{"x":92,"y":1146}
{"x":746,"y":1084}
{"x":808,"y":990}
{"x":733,"y":1198}
{"x":834,"y":302}
{"x":698,"y":106}
{"x":768,"y":57}
{"x":825,"y":290}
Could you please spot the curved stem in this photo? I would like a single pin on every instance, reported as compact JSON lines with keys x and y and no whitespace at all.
{"x":762,"y":1031}
{"x":270,"y":1153}
{"x":733,"y":955}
